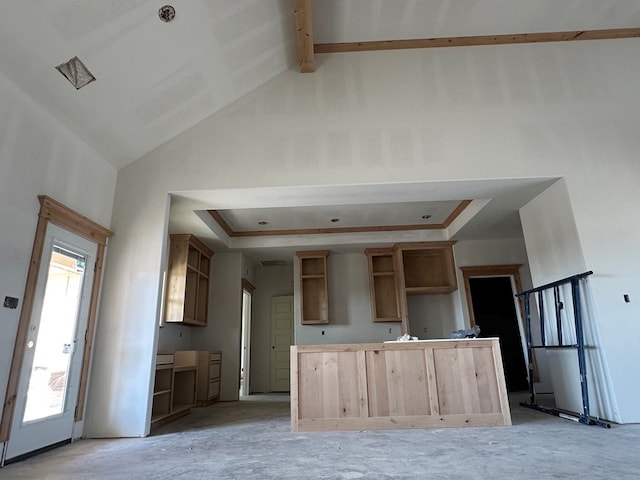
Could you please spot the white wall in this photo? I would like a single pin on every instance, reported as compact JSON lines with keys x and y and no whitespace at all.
{"x":38,"y":156}
{"x":552,"y":241}
{"x":350,"y":319}
{"x":510,"y":251}
{"x":222,"y":332}
{"x":270,"y":282}
{"x":172,"y":337}
{"x":225,"y":320}
{"x":473,"y":253}
{"x":426,"y":116}
{"x":432,"y":316}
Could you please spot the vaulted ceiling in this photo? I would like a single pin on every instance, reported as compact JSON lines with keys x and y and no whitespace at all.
{"x":156,"y":79}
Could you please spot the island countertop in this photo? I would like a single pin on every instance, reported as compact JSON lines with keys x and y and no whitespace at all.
{"x":401,"y":384}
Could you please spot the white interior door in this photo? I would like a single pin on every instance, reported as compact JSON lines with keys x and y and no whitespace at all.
{"x":245,"y":357}
{"x":281,"y":341}
{"x":52,"y":363}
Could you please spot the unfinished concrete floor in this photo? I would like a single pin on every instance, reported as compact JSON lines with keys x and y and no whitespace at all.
{"x":251,"y":439}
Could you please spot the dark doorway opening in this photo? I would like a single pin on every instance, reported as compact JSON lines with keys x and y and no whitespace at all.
{"x":495,"y":313}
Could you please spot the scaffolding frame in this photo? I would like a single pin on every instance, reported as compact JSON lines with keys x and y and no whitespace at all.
{"x":574,"y":281}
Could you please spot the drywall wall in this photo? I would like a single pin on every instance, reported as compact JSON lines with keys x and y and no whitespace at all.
{"x":350,"y":319}
{"x":509,"y":251}
{"x":172,"y":337}
{"x":432,"y":316}
{"x":225,"y":313}
{"x":222,"y":331}
{"x":382,"y":118}
{"x":39,"y":156}
{"x":269,"y":282}
{"x":473,"y":253}
{"x":553,"y":243}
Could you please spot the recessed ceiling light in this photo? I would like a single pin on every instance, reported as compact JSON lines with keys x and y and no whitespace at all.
{"x":263,"y":223}
{"x":426,"y":217}
{"x":167,"y":13}
{"x":75,"y":71}
{"x":335,"y":220}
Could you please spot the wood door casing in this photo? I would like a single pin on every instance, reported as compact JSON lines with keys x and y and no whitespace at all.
{"x":510,"y":270}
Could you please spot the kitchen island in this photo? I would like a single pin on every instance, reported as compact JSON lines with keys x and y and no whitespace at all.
{"x":413,"y":384}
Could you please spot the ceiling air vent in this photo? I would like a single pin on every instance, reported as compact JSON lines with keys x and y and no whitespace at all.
{"x":75,"y":71}
{"x":273,"y":263}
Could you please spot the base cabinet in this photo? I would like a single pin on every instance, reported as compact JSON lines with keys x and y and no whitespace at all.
{"x":174,"y":388}
{"x":208,"y":377}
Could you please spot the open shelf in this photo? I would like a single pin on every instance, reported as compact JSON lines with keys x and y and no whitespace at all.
{"x":313,"y":287}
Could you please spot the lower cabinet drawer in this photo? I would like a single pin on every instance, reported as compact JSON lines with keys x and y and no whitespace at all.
{"x":214,"y":371}
{"x":214,"y":389}
{"x":165,"y":358}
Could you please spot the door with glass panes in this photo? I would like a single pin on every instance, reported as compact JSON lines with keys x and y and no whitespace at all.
{"x":50,"y":375}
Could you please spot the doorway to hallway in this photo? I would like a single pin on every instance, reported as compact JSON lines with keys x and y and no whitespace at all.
{"x":494,"y":311}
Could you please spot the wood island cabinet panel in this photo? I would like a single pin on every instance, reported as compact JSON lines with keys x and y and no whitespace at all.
{"x":187,"y":292}
{"x":423,"y":384}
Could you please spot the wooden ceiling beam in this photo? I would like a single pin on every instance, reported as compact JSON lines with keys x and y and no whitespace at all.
{"x":304,"y":35}
{"x":574,"y":35}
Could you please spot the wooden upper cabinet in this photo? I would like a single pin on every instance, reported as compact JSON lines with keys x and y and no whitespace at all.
{"x":428,"y":267}
{"x":383,"y":284}
{"x":187,"y":294}
{"x":313,"y":287}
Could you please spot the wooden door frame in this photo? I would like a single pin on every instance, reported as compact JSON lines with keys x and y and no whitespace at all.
{"x":54,"y":212}
{"x":512,"y":270}
{"x":488,"y":271}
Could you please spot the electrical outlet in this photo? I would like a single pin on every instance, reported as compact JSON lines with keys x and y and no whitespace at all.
{"x":10,"y":302}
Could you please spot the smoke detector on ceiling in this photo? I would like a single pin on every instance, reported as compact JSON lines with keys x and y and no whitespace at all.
{"x":167,"y":13}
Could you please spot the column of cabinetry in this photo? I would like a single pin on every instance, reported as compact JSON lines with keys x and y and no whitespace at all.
{"x":427,"y":267}
{"x":208,"y":376}
{"x":174,"y":389}
{"x":313,"y":287}
{"x":162,"y":388}
{"x":383,"y":284}
{"x":187,"y":294}
{"x":408,"y":269}
{"x":209,"y":368}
